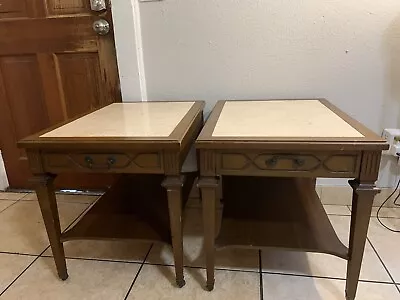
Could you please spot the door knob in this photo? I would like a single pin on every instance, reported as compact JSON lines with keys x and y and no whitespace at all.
{"x":101,"y":27}
{"x":98,"y":5}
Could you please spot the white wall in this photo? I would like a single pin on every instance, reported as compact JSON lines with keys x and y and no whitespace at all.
{"x":347,"y":51}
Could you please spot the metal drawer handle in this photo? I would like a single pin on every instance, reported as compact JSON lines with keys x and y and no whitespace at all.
{"x":90,"y":163}
{"x":273,"y":161}
{"x":299,"y":162}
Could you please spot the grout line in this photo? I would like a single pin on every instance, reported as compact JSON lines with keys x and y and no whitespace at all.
{"x":381,"y":260}
{"x":381,"y":217}
{"x":217,"y":269}
{"x":137,"y":274}
{"x":203,"y":268}
{"x":98,"y":259}
{"x":16,"y":253}
{"x":340,"y":215}
{"x":325,"y":277}
{"x":261,"y":275}
{"x":78,"y":217}
{"x":15,"y":202}
{"x":151,"y":264}
{"x":147,"y":263}
{"x":23,"y":271}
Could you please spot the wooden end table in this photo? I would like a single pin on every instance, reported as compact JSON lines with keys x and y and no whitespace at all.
{"x":267,"y":155}
{"x":145,"y":142}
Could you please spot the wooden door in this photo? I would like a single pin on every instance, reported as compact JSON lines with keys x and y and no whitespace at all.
{"x":53,"y":66}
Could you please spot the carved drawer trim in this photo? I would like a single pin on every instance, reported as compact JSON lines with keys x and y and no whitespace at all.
{"x":282,"y":164}
{"x":103,"y":162}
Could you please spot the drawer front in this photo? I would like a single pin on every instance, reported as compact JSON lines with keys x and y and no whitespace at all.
{"x":289,"y":164}
{"x":103,"y":162}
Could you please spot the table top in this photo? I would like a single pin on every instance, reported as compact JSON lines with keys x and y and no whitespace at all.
{"x":144,"y":119}
{"x":135,"y":122}
{"x":293,"y":123}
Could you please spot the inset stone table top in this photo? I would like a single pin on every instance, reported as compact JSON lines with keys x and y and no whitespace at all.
{"x":139,"y":124}
{"x":144,"y":119}
{"x":286,"y":118}
{"x":303,"y":123}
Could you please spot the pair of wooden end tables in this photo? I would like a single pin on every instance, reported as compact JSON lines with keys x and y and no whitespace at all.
{"x":259,"y":158}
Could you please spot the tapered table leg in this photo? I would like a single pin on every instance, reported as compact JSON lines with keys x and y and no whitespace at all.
{"x":174,"y":185}
{"x":363,"y":196}
{"x":48,"y":205}
{"x":209,"y":194}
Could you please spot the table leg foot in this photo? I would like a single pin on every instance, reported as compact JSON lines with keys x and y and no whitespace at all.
{"x":349,"y":297}
{"x":180,"y":283}
{"x":64,"y":276}
{"x":210,"y":286}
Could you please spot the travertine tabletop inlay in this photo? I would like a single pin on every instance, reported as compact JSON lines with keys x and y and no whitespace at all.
{"x":145,"y":119}
{"x":284,"y":118}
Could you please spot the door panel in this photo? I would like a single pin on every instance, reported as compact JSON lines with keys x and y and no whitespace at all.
{"x":80,"y":78}
{"x":53,"y":66}
{"x":21,"y":83}
{"x":13,"y":9}
{"x":63,"y":7}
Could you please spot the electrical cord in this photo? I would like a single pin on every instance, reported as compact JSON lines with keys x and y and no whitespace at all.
{"x":383,"y":204}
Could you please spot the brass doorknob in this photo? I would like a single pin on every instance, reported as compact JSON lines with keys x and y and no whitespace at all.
{"x":101,"y":27}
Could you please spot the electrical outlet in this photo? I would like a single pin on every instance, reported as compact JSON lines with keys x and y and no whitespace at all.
{"x":392,"y":136}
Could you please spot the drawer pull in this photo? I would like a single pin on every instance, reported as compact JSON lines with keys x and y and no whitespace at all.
{"x":273,"y":161}
{"x":109,"y":163}
{"x":299,"y":162}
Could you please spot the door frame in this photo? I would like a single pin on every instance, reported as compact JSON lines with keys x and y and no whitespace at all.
{"x":129,"y":48}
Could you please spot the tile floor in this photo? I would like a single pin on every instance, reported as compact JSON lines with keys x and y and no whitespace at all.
{"x":136,"y":271}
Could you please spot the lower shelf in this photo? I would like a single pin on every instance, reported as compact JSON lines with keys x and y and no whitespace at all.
{"x":276,"y":213}
{"x":136,"y":207}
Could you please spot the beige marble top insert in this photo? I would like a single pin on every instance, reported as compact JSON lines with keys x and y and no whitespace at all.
{"x":144,"y":119}
{"x":283,"y":118}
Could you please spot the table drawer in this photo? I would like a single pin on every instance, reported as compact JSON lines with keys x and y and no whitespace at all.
{"x":103,"y":162}
{"x":285,"y":164}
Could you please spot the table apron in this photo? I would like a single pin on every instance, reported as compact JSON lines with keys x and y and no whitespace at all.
{"x":112,"y":162}
{"x":288,"y":164}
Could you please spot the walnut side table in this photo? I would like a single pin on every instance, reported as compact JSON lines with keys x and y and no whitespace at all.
{"x":145,"y":142}
{"x":266,"y":155}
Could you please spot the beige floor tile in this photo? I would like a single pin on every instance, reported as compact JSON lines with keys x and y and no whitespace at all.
{"x":22,"y":229}
{"x":386,"y":212}
{"x":318,"y":189}
{"x":11,"y":196}
{"x":277,"y":287}
{"x":337,"y":210}
{"x":158,"y":282}
{"x":132,"y":251}
{"x":11,"y":265}
{"x":387,"y":244}
{"x":383,"y":195}
{"x":88,"y":280}
{"x":229,"y":258}
{"x":5,"y":203}
{"x":75,"y":198}
{"x":336,"y":195}
{"x":317,"y":264}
